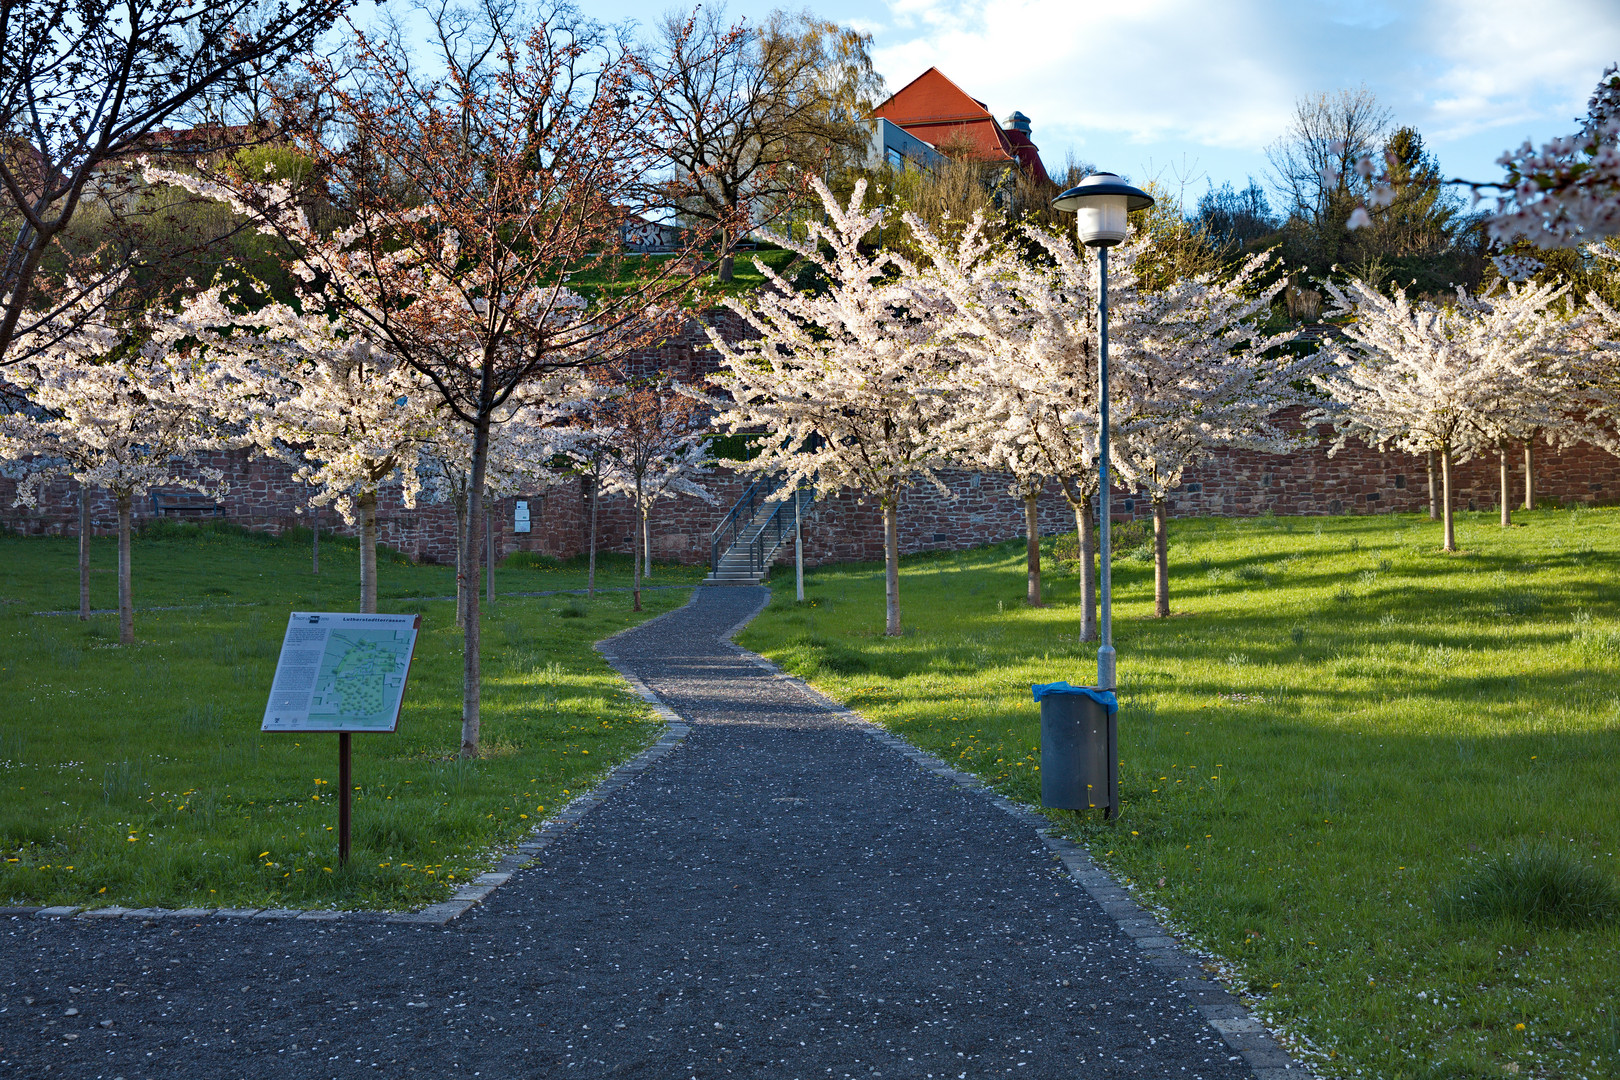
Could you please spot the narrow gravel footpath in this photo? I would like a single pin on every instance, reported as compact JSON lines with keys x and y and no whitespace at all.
{"x":781,"y":896}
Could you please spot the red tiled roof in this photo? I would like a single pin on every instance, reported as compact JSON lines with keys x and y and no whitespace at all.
{"x":936,"y":110}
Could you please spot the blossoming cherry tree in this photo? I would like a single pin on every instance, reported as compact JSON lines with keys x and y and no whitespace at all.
{"x":116,"y":407}
{"x":846,"y":379}
{"x":1426,"y":376}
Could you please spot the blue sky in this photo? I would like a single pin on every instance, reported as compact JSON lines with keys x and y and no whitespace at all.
{"x":1169,"y":88}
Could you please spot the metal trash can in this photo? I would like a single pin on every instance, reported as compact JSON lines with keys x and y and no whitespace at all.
{"x":1079,"y":747}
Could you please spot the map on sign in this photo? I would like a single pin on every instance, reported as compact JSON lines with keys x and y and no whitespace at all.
{"x":341,"y":672}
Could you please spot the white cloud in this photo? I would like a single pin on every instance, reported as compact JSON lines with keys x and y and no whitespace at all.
{"x":1504,"y":65}
{"x":1225,"y":76}
{"x":1216,"y":80}
{"x":1217,"y":75}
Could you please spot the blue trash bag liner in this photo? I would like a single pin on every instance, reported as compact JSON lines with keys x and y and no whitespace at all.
{"x":1105,"y":698}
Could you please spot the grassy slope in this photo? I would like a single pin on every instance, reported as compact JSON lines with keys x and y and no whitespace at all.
{"x":138,"y":775}
{"x":1341,"y":720}
{"x":746,"y":278}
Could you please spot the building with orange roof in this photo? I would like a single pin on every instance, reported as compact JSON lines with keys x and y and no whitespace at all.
{"x":935,"y":112}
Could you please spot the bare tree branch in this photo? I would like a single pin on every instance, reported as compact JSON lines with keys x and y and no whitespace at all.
{"x":86,"y":82}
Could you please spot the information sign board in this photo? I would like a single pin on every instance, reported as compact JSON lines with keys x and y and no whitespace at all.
{"x":341,"y":671}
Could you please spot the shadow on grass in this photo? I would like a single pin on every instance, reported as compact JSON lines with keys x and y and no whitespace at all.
{"x":1348,"y":721}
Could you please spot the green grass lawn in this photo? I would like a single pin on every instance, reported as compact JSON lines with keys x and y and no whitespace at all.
{"x":138,"y":775}
{"x":1338,"y":725}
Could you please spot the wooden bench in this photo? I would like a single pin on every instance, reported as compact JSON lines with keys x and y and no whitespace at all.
{"x":185,"y":504}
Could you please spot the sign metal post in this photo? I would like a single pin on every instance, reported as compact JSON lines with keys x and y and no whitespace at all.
{"x":345,"y":787}
{"x":342,"y":672}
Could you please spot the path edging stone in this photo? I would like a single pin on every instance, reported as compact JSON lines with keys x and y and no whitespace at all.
{"x":1243,"y":1032}
{"x":468,"y":895}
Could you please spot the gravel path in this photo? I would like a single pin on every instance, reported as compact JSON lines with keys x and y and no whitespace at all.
{"x":781,"y":896}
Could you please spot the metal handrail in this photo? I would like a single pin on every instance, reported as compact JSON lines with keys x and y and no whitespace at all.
{"x":776,"y":527}
{"x":741,"y":514}
{"x":736,"y":519}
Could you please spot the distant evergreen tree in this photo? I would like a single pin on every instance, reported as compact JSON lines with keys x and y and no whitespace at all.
{"x":1423,"y":239}
{"x":1415,"y":233}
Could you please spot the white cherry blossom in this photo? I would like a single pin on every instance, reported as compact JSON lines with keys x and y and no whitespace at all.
{"x":846,"y":381}
{"x":1450,"y":378}
{"x":112,"y":406}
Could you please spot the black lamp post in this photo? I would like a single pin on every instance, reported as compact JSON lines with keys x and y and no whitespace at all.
{"x":1100,"y":203}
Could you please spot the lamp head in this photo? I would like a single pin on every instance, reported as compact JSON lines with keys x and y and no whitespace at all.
{"x":1100,"y":203}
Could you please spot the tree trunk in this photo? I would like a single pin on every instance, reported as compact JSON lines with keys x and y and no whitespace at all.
{"x":1088,"y":569}
{"x":1161,"y":561}
{"x":1507,"y":491}
{"x":471,"y":674}
{"x":590,"y":577}
{"x":1450,"y":543}
{"x":315,"y":544}
{"x":1032,"y":547}
{"x":461,"y":559}
{"x":646,"y":543}
{"x":1530,"y":472}
{"x":367,"y":505}
{"x":798,"y":545}
{"x":726,"y":269}
{"x":891,"y":568}
{"x":84,"y":552}
{"x":126,"y":603}
{"x":635,"y":550}
{"x":1434,"y":500}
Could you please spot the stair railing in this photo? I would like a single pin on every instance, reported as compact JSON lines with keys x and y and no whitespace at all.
{"x":737,"y":519}
{"x":776,"y":527}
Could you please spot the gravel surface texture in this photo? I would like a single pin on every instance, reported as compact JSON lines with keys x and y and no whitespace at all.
{"x":781,"y":896}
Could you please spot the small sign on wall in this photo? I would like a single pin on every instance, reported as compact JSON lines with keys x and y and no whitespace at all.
{"x":520,"y":516}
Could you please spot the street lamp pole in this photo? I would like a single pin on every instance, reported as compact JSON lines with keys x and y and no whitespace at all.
{"x":1100,"y":204}
{"x":1105,"y":652}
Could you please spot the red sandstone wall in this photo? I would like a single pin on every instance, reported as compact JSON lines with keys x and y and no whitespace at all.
{"x":1358,"y":480}
{"x":1232,"y":483}
{"x":264,"y":495}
